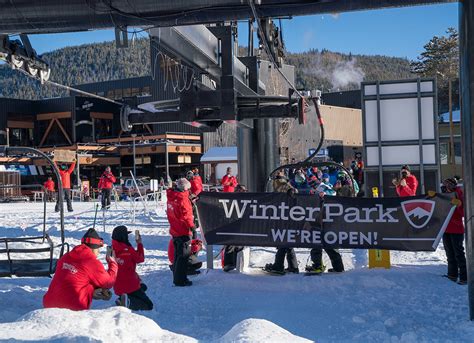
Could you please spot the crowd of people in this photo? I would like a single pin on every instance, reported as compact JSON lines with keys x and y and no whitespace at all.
{"x":80,"y":277}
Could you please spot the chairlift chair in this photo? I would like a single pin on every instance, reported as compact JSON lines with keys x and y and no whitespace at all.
{"x":41,"y":248}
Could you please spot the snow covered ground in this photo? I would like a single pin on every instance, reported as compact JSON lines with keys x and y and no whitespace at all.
{"x":409,"y":303}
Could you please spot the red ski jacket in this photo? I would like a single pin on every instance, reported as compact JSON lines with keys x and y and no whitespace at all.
{"x":229,"y":183}
{"x":196,"y":185}
{"x":107,"y":181}
{"x":78,"y":273}
{"x":127,"y":258}
{"x":180,"y":213}
{"x":456,"y":225}
{"x":49,"y":185}
{"x":66,"y":175}
{"x":410,"y":189}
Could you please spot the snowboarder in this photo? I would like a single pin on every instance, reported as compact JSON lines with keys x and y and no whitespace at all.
{"x":180,"y":216}
{"x":80,"y":276}
{"x":317,"y":267}
{"x":193,"y":263}
{"x":300,"y":183}
{"x":128,"y":287}
{"x":106,"y":184}
{"x":229,"y":252}
{"x":229,"y":181}
{"x":453,"y":237}
{"x":65,"y":174}
{"x":49,"y":188}
{"x":282,"y":185}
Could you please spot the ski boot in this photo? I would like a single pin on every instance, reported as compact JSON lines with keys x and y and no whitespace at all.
{"x":269,"y":268}
{"x":313,"y":270}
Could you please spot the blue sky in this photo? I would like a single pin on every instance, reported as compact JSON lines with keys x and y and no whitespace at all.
{"x":398,"y":32}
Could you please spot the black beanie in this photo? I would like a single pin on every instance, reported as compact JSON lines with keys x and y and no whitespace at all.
{"x":120,"y":234}
{"x":92,"y":239}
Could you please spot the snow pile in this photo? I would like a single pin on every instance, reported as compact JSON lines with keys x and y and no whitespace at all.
{"x":116,"y":324}
{"x":259,"y":330}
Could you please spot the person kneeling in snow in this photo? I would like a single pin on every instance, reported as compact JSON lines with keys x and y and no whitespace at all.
{"x":128,"y":285}
{"x":180,"y":216}
{"x":80,"y":276}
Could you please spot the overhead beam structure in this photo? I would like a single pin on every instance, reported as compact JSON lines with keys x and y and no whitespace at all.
{"x":49,"y":16}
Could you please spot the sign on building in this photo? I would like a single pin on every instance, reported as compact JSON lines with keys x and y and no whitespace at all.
{"x":400,"y":127}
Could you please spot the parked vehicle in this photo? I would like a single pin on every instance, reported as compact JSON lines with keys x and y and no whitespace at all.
{"x":129,"y":188}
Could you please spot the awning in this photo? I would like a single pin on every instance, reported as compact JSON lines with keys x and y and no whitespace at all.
{"x":220,"y":154}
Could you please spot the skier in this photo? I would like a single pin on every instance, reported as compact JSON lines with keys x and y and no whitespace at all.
{"x":128,"y":287}
{"x":106,"y":184}
{"x":453,"y":237}
{"x":65,"y":174}
{"x":282,"y":185}
{"x":229,"y":181}
{"x":49,"y":188}
{"x":300,"y":183}
{"x":344,"y":186}
{"x":180,"y":216}
{"x":317,"y":267}
{"x":81,"y":277}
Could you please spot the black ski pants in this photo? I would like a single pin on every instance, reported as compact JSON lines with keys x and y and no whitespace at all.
{"x":334,"y":256}
{"x":139,"y":301}
{"x":290,"y":259}
{"x":453,"y":246}
{"x":67,"y":198}
{"x":182,"y":252}
{"x":106,"y":197}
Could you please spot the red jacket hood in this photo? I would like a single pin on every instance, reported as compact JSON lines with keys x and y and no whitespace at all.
{"x":119,"y":246}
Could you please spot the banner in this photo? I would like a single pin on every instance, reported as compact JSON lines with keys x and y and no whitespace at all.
{"x":305,"y":221}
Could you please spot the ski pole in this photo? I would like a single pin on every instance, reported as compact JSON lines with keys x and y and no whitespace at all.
{"x":95,"y":216}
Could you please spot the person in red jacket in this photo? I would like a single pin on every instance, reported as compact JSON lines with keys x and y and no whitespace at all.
{"x":229,"y":181}
{"x":453,"y":237}
{"x":106,"y":184}
{"x":128,"y":286}
{"x":407,"y":185}
{"x":80,"y":276}
{"x":65,"y":174}
{"x":196,"y":182}
{"x":180,"y":216}
{"x":49,"y":188}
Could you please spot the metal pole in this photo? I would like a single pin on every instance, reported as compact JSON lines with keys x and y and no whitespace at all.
{"x":452,"y":159}
{"x":379,"y":139}
{"x":134,"y":135}
{"x":167,"y":162}
{"x":466,"y":47}
{"x":420,"y":137}
{"x":8,"y":136}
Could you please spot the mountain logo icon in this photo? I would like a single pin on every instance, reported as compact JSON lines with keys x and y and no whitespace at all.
{"x":418,"y":212}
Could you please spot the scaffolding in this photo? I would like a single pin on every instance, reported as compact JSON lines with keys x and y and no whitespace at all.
{"x":10,"y":182}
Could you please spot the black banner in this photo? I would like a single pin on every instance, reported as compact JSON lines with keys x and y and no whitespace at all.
{"x":278,"y":220}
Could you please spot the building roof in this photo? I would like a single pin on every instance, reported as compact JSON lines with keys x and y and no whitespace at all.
{"x":219,"y":154}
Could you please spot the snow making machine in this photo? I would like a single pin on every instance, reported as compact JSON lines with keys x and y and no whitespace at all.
{"x":32,"y":255}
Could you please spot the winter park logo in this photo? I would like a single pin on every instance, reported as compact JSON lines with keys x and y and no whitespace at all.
{"x":418,"y":212}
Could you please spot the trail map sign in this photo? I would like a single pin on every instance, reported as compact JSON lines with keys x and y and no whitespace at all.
{"x":278,"y":220}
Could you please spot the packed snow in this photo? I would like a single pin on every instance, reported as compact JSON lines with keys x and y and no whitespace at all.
{"x":410,"y":302}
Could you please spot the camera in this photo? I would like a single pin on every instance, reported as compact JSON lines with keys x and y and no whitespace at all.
{"x":404,"y":174}
{"x":444,"y":189}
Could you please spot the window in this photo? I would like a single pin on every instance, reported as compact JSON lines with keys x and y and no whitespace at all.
{"x":443,"y":153}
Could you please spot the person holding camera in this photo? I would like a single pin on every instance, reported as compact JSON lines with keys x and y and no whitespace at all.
{"x":180,"y":216}
{"x":128,"y":286}
{"x":407,"y":184}
{"x":106,"y":184}
{"x":453,"y":237}
{"x":81,"y":277}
